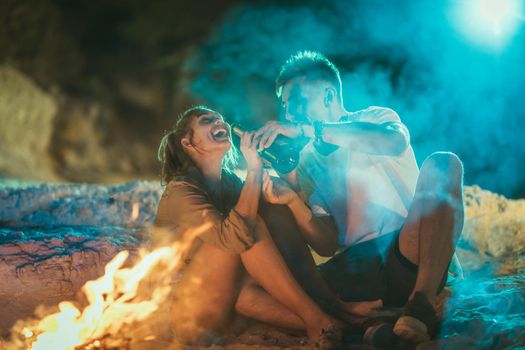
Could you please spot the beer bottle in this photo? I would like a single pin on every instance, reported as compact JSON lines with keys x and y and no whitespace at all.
{"x":283,"y":154}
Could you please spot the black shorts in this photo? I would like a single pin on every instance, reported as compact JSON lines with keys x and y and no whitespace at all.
{"x":371,"y":270}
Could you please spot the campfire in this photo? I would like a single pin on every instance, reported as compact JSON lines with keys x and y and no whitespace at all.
{"x":122,"y":297}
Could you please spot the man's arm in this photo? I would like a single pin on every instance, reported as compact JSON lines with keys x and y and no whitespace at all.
{"x":389,"y":138}
{"x":386,"y":139}
{"x":320,"y":233}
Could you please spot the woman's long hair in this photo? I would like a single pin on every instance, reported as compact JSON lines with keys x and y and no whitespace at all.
{"x":171,"y":154}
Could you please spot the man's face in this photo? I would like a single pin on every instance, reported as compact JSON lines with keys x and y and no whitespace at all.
{"x":303,"y":100}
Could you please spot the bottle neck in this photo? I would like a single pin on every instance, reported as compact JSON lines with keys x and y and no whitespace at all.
{"x":237,"y":130}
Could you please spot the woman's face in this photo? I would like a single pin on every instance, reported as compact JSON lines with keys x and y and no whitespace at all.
{"x":210,"y":134}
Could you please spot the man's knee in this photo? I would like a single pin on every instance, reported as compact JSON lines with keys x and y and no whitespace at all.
{"x":444,"y":164}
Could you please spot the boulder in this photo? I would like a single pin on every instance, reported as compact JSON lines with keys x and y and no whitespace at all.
{"x":27,"y":114}
{"x":494,"y":228}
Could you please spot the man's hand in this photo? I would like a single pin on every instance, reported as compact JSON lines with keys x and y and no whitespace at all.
{"x":291,"y":179}
{"x":356,"y":313}
{"x":276,"y":191}
{"x":267,"y":134}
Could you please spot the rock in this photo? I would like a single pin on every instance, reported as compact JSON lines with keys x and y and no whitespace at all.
{"x":91,"y":143}
{"x":48,"y":266}
{"x":494,"y":227}
{"x":60,"y":236}
{"x":51,"y":137}
{"x":73,"y":204}
{"x":27,"y":114}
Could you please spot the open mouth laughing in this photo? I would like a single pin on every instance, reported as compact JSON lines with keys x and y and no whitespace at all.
{"x":220,"y":134}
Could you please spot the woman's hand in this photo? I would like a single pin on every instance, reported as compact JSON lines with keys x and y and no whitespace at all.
{"x":277,"y":191}
{"x":249,"y":151}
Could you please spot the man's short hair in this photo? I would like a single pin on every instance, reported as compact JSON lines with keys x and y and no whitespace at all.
{"x":311,"y":65}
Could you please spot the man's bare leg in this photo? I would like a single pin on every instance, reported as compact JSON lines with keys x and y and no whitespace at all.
{"x":287,"y":237}
{"x":434,"y":222}
{"x":267,"y":267}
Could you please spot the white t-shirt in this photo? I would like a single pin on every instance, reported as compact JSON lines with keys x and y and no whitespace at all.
{"x":367,"y":195}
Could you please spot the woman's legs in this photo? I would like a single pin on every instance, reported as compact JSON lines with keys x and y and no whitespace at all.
{"x":210,"y":288}
{"x":256,"y":303}
{"x":206,"y":295}
{"x":268,"y":268}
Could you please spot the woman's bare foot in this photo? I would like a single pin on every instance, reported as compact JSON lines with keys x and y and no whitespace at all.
{"x":327,"y":333}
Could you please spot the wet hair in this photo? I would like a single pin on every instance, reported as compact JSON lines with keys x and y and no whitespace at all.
{"x":311,"y":65}
{"x":175,"y":161}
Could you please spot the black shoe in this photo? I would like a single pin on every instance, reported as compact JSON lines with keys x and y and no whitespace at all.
{"x":381,"y":336}
{"x":418,"y":322}
{"x":379,"y":331}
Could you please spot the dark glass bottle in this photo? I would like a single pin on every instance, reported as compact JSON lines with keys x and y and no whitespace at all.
{"x":283,"y":154}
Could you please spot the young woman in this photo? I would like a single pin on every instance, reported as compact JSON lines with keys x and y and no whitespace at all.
{"x":209,"y":210}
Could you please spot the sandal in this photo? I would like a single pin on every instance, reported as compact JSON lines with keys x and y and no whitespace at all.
{"x":418,"y":322}
{"x":381,"y":335}
{"x":379,"y":330}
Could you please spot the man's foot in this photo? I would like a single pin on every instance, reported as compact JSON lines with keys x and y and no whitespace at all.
{"x":381,"y":335}
{"x":418,"y":322}
{"x":379,"y":329}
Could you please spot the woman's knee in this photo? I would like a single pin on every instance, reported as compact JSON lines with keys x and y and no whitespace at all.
{"x":196,"y":335}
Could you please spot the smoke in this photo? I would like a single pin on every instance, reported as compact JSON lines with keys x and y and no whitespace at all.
{"x":410,"y":56}
{"x":489,"y":311}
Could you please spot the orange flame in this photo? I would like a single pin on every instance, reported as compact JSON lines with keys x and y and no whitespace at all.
{"x":110,"y":306}
{"x":135,"y":208}
{"x":111,"y":301}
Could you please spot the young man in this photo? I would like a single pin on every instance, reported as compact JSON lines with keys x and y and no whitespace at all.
{"x":394,"y":227}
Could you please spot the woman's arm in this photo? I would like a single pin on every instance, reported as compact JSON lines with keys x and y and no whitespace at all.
{"x":248,"y":203}
{"x":319,"y":233}
{"x":186,"y":213}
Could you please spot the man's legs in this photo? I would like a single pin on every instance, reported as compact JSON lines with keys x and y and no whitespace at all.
{"x":434,"y":222}
{"x":288,"y":239}
{"x":267,"y":267}
{"x":286,"y":235}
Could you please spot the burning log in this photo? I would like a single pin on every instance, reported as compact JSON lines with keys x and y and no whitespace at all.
{"x":112,"y":301}
{"x":122,"y":296}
